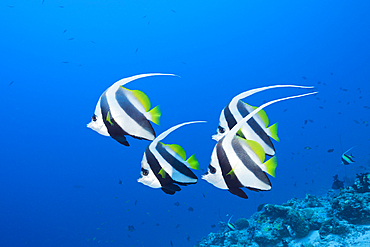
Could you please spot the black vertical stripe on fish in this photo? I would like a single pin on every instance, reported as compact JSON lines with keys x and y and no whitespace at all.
{"x":231,"y":181}
{"x":175,"y":163}
{"x":114,"y":130}
{"x":156,"y":168}
{"x":229,"y":117}
{"x":133,"y":112}
{"x":254,"y":125}
{"x":248,"y":162}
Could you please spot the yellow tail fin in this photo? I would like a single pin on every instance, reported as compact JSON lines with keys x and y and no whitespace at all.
{"x":193,"y":162}
{"x":155,"y":113}
{"x":273,"y":130}
{"x":271,"y":165}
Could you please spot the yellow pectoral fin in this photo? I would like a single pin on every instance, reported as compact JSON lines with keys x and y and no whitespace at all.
{"x":108,"y":118}
{"x":231,"y":173}
{"x":240,"y":133}
{"x":162,"y":173}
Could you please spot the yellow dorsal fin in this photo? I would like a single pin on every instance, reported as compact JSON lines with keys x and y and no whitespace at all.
{"x":257,"y":149}
{"x":262,"y":114}
{"x":231,"y":173}
{"x":273,"y":131}
{"x":155,"y":114}
{"x":109,"y":119}
{"x":177,"y":149}
{"x":143,"y":99}
{"x":271,"y":166}
{"x":193,"y":162}
{"x":162,"y":173}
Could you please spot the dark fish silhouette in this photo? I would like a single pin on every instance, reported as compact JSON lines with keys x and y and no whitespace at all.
{"x":191,"y":209}
{"x":330,"y":150}
{"x":11,"y":83}
{"x":176,"y":204}
{"x":130,"y":228}
{"x":337,"y":184}
{"x":119,"y":181}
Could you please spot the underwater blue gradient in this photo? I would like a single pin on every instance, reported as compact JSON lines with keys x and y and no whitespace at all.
{"x":59,"y":179}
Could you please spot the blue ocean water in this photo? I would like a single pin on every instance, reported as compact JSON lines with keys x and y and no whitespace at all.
{"x":59,"y":179}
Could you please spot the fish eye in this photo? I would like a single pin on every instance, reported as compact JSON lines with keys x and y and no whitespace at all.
{"x":212,"y":170}
{"x":221,"y":130}
{"x":94,"y":118}
{"x":144,"y":171}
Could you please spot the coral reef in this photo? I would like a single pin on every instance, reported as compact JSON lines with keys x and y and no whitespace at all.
{"x":336,"y":219}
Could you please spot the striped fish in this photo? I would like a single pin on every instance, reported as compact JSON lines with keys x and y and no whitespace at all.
{"x":256,"y":128}
{"x":237,"y":163}
{"x":165,"y":165}
{"x":348,"y":158}
{"x":123,"y":112}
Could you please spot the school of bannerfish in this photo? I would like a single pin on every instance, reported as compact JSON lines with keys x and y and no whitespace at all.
{"x":238,"y":159}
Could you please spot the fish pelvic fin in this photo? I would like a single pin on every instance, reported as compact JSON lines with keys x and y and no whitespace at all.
{"x":193,"y":162}
{"x":273,"y":130}
{"x":271,"y":165}
{"x":155,"y":114}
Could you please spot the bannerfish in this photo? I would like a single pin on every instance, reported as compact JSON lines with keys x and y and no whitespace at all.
{"x":256,"y":128}
{"x":121,"y":112}
{"x":230,"y":225}
{"x":165,"y":165}
{"x":235,"y":163}
{"x":348,"y":158}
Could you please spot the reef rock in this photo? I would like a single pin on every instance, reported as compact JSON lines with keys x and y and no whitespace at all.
{"x":313,"y":221}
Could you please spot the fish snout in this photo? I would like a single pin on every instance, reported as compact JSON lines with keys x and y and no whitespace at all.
{"x":217,"y":136}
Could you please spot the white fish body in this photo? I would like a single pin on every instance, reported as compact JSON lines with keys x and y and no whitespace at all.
{"x":125,"y":112}
{"x":234,"y":109}
{"x":164,"y":165}
{"x":238,"y":161}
